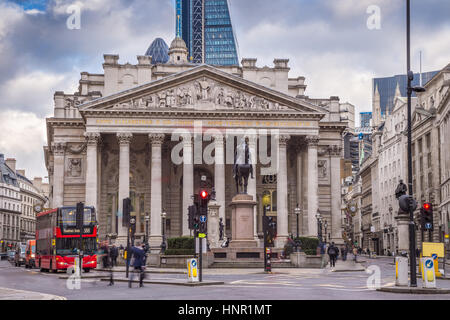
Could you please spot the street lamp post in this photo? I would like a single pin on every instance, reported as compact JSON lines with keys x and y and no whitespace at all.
{"x":325,"y":226}
{"x":147,"y":220}
{"x":163,"y":222}
{"x":297,"y":211}
{"x":319,"y":227}
{"x":410,"y":89}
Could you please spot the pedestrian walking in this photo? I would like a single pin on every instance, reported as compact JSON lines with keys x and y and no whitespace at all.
{"x":114,"y":255}
{"x":105,"y":254}
{"x":111,"y":265}
{"x":138,"y":262}
{"x":355,"y":253}
{"x":368,"y":252}
{"x":344,"y":253}
{"x":332,"y":253}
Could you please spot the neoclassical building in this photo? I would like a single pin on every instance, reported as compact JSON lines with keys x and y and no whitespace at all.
{"x":157,"y":133}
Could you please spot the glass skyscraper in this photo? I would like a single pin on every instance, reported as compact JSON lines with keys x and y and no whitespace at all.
{"x":205,"y":26}
{"x":387,"y":86}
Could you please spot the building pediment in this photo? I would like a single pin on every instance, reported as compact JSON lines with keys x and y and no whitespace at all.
{"x":203,"y":88}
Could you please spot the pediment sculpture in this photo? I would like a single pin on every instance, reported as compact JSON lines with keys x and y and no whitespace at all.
{"x":202,"y":91}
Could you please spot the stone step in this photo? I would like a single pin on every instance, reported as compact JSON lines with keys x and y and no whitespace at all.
{"x":249,"y":264}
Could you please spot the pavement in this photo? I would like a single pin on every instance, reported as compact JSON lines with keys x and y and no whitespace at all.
{"x":13,"y":294}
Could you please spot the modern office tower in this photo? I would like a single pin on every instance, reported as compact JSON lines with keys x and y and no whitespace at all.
{"x":365,"y":118}
{"x":205,"y":26}
{"x":388,"y":86}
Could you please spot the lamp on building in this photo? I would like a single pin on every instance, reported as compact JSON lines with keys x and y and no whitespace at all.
{"x":319,"y":226}
{"x":297,"y":212}
{"x":325,"y":225}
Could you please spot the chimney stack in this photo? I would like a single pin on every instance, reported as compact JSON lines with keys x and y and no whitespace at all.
{"x":11,"y":163}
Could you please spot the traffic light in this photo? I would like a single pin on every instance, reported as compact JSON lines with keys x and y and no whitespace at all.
{"x":426,"y":215}
{"x":204,"y":197}
{"x":126,"y":212}
{"x":192,"y":212}
{"x":79,"y":215}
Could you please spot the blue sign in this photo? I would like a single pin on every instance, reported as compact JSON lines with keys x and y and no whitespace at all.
{"x":429,"y":264}
{"x":434,"y":256}
{"x":428,"y":225}
{"x":202,"y":218}
{"x":361,"y":136}
{"x":194,"y":263}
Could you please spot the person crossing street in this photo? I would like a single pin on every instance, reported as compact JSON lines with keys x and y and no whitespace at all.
{"x":138,"y":262}
{"x":332,"y":253}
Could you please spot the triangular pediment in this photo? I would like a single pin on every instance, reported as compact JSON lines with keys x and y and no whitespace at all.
{"x":202,"y":88}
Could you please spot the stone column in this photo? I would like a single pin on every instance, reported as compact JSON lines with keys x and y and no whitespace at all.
{"x":336,"y":215}
{"x":188,"y":182}
{"x":93,"y":139}
{"x":155,"y":238}
{"x":219,"y":174}
{"x":124,"y":175}
{"x":251,"y":188}
{"x":313,"y":185}
{"x":299,"y":192}
{"x":58,"y":149}
{"x":282,"y":191}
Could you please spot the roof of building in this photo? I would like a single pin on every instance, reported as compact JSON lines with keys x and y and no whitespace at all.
{"x":159,"y":51}
{"x":7,"y":175}
{"x":178,"y":43}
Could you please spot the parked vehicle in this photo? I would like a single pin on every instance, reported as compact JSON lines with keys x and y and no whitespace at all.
{"x":3,"y":255}
{"x":30,"y":254}
{"x":11,"y":255}
{"x":19,"y":257}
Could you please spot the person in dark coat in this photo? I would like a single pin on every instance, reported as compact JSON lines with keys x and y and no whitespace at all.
{"x":138,"y":262}
{"x":332,"y":253}
{"x":114,"y":254}
{"x":105,"y":255}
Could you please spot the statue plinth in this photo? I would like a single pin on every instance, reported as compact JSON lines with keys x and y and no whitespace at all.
{"x":242,"y":222}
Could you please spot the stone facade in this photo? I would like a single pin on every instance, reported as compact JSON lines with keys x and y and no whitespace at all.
{"x":157,"y":133}
{"x":19,"y":197}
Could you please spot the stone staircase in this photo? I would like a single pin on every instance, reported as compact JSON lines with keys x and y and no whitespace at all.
{"x":249,"y":264}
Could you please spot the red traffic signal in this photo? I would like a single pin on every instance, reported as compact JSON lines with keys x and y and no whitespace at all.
{"x":204,"y":194}
{"x":427,"y":206}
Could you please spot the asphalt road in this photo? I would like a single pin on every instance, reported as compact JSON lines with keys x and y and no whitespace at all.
{"x":283,"y":284}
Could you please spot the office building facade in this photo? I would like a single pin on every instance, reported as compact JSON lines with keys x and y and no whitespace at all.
{"x":205,"y":26}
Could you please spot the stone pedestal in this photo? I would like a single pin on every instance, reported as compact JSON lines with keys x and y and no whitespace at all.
{"x":242,"y":235}
{"x":403,"y":231}
{"x":213,"y":225}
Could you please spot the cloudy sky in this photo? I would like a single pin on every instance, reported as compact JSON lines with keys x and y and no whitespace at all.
{"x":336,"y":44}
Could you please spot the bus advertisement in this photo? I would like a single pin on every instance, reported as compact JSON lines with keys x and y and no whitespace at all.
{"x":58,"y":240}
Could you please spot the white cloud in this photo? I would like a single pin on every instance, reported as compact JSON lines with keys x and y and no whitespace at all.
{"x":353,"y":8}
{"x":23,"y":137}
{"x":34,"y":91}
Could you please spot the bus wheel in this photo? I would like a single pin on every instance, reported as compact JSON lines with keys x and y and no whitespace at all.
{"x":87,"y":270}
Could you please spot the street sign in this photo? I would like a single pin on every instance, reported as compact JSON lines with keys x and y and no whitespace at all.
{"x":202,"y":235}
{"x":202,"y":218}
{"x":434,"y":256}
{"x":429,"y":264}
{"x":430,"y":248}
{"x":428,"y":225}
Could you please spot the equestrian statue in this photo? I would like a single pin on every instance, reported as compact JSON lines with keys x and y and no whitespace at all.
{"x":242,"y":167}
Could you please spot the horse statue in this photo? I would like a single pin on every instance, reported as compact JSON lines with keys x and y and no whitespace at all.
{"x":242,"y":167}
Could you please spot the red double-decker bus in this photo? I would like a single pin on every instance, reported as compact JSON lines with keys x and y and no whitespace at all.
{"x":58,"y":240}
